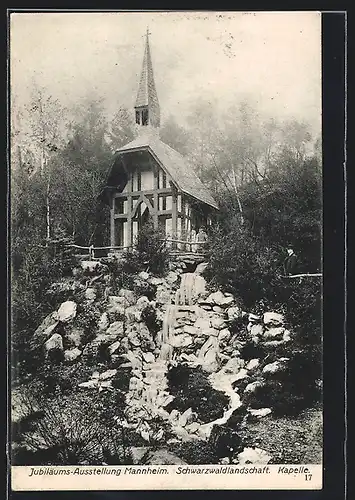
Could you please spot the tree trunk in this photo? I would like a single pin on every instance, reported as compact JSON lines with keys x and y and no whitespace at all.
{"x":238,"y":199}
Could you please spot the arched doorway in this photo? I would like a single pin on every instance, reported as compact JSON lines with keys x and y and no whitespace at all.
{"x":142,"y":213}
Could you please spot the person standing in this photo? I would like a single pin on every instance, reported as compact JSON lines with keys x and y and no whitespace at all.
{"x":290,"y":262}
{"x":201,"y":238}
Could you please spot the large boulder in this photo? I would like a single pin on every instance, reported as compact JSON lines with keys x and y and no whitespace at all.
{"x":209,"y":355}
{"x":43,"y":329}
{"x":277,"y":333}
{"x":67,"y":311}
{"x":275,"y":367}
{"x":234,"y":313}
{"x":115,"y":330}
{"x":273,"y":319}
{"x":54,"y":343}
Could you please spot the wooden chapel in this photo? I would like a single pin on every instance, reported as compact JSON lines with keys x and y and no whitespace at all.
{"x":149,"y":179}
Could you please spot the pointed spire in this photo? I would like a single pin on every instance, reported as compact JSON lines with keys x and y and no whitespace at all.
{"x":147,"y":99}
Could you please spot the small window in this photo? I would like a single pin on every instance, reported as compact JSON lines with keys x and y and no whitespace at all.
{"x":145,"y":117}
{"x":137,"y":117}
{"x":164,"y":180}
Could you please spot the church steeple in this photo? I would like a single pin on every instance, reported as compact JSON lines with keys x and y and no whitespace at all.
{"x":147,"y":105}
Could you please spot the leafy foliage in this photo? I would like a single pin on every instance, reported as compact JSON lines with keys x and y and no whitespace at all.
{"x":192,"y":389}
{"x":150,"y":252}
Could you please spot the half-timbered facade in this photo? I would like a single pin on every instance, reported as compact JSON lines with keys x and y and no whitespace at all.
{"x":149,"y":179}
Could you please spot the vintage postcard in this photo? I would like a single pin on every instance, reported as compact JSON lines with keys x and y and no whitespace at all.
{"x":166,"y":217}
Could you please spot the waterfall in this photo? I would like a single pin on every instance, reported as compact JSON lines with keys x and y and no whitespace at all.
{"x":191,"y":287}
{"x":168,"y":323}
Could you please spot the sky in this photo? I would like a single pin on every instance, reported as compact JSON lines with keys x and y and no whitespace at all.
{"x":272,"y":58}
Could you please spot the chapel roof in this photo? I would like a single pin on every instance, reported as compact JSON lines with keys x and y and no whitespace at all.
{"x":177,"y":166}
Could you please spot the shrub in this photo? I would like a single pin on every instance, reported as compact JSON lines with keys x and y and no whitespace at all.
{"x":76,"y":429}
{"x":150,"y":252}
{"x":191,"y":389}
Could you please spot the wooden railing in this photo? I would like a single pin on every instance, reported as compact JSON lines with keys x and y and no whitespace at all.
{"x":193,"y":247}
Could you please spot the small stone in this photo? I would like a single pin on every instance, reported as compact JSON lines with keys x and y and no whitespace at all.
{"x":203,"y":323}
{"x":186,"y":417}
{"x":252,"y":364}
{"x":210,"y":332}
{"x":253,"y":456}
{"x":90,"y":294}
{"x":250,"y":388}
{"x":256,"y":330}
{"x":148,"y":357}
{"x":233,"y":365}
{"x":191,"y":330}
{"x":253,"y":318}
{"x":218,"y":323}
{"x":172,"y":277}
{"x":71,"y":355}
{"x":134,"y":339}
{"x":156,"y":281}
{"x":144,"y":275}
{"x":142,"y":303}
{"x":107,"y":374}
{"x":127,"y":294}
{"x":114,"y":347}
{"x":75,"y":336}
{"x":193,"y":427}
{"x":133,"y":314}
{"x":217,"y":309}
{"x":103,"y":322}
{"x":259,"y":413}
{"x":183,"y":340}
{"x":224,"y":335}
